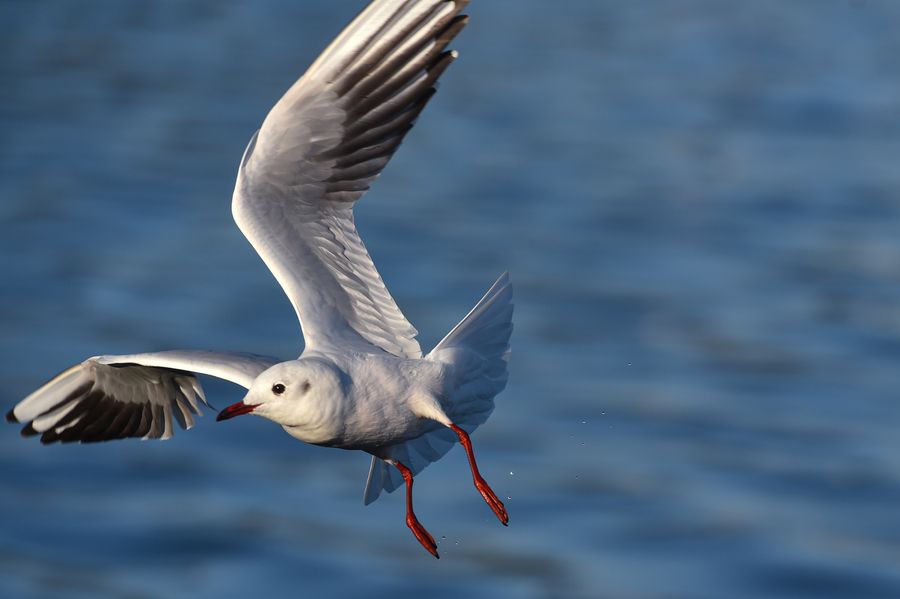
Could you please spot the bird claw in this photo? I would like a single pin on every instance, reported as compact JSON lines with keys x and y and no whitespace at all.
{"x":492,"y":500}
{"x":423,"y":536}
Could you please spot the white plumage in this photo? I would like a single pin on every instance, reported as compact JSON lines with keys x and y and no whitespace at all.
{"x":361,"y":381}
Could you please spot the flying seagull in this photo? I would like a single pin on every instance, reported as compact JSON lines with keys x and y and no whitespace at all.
{"x":362,"y":381}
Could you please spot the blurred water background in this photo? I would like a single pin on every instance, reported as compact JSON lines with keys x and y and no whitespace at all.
{"x":699,"y":203}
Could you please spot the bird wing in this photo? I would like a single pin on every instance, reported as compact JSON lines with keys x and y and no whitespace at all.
{"x":138,"y":395}
{"x":317,"y":152}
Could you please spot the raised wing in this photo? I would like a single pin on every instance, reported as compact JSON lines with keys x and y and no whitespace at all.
{"x":139,"y":395}
{"x":318,"y":151}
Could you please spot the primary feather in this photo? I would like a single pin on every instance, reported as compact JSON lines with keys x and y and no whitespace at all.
{"x":316,"y":154}
{"x":138,"y":395}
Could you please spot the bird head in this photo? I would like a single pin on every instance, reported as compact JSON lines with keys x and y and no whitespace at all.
{"x":301,"y":395}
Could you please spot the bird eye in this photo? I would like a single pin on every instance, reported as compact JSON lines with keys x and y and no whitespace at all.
{"x":277,"y":388}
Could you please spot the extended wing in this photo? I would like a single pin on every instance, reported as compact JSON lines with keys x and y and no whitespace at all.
{"x":316,"y":154}
{"x":139,"y":395}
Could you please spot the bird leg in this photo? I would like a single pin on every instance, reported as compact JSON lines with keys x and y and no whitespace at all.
{"x":489,"y":496}
{"x":412,"y":522}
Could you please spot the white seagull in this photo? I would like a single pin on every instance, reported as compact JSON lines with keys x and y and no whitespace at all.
{"x":361,"y":381}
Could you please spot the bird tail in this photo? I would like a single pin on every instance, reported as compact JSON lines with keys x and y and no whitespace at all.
{"x":478,"y":350}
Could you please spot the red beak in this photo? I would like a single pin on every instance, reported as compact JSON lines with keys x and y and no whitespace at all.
{"x":236,"y":409}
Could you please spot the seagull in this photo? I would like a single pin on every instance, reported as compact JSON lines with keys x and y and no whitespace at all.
{"x":361,"y":381}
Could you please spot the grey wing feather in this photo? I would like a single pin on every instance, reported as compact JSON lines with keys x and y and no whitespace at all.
{"x":321,"y":146}
{"x":139,"y":395}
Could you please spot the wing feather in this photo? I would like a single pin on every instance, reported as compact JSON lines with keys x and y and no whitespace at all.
{"x":318,"y":151}
{"x":138,"y":395}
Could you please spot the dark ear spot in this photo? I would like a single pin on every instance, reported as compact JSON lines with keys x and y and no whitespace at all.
{"x":305,"y":386}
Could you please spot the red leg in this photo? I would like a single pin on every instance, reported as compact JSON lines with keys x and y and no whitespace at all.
{"x":489,"y":496}
{"x":411,"y":521}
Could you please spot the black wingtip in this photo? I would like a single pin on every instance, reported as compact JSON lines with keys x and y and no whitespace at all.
{"x":11,"y":417}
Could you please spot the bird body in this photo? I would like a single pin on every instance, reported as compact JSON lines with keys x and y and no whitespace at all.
{"x":369,"y":401}
{"x":362,"y":381}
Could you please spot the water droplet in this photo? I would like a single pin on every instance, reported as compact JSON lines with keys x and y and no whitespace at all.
{"x":508,"y":497}
{"x":511,"y":473}
{"x":443,"y":537}
{"x":584,"y":422}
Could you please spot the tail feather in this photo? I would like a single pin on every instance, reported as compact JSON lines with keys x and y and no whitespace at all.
{"x":479,"y":349}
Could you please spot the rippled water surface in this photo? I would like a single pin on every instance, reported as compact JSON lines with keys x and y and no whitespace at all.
{"x":699,"y":203}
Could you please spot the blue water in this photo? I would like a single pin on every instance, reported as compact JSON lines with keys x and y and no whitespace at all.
{"x":699,"y":203}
